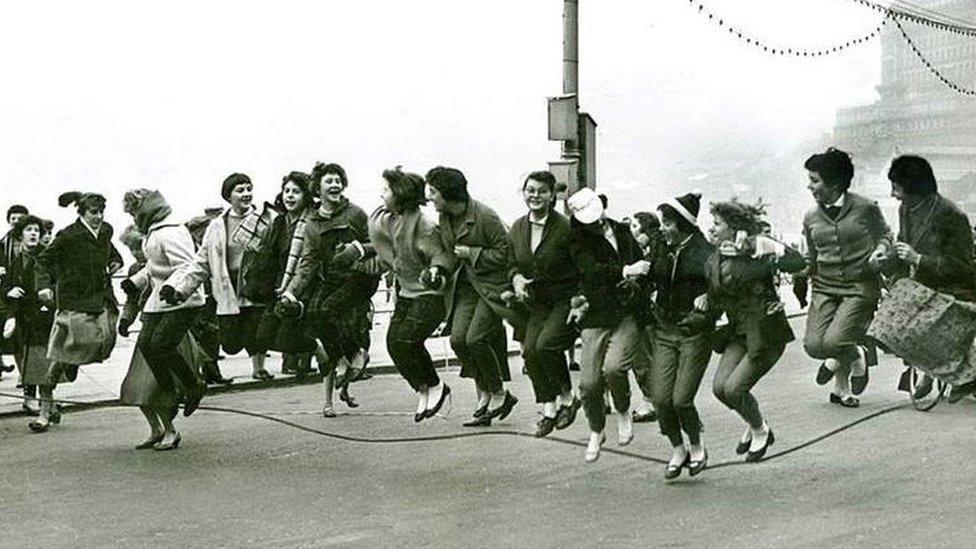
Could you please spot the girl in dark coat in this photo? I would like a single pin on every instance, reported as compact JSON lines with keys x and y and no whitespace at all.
{"x":281,"y":329}
{"x":335,"y":282}
{"x":934,"y":245}
{"x":28,"y":319}
{"x":607,"y":258}
{"x":741,"y":284}
{"x":682,"y":334}
{"x":544,"y":279}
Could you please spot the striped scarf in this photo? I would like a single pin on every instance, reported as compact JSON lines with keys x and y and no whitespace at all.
{"x":295,"y":249}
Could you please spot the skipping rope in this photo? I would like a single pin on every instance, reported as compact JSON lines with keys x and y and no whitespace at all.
{"x":500,"y":432}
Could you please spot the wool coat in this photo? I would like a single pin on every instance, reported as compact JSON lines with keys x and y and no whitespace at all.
{"x":77,"y":265}
{"x":550,"y":267}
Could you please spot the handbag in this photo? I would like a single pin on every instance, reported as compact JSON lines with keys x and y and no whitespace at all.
{"x":926,"y":328}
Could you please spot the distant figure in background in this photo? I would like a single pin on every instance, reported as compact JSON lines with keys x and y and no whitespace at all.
{"x":934,"y":244}
{"x":544,"y":278}
{"x":410,"y":246}
{"x":646,"y":228}
{"x":847,"y":239}
{"x":10,"y":249}
{"x":475,"y":237}
{"x":28,"y":319}
{"x":78,"y":265}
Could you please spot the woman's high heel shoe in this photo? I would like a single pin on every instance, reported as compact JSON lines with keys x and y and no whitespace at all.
{"x":151,"y":442}
{"x":160,"y":447}
{"x":758,"y":455}
{"x":445,"y":394}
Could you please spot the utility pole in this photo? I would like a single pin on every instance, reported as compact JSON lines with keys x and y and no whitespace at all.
{"x":576,"y":131}
{"x":571,"y":68}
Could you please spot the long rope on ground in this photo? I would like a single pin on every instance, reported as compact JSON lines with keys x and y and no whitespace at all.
{"x":498,"y":432}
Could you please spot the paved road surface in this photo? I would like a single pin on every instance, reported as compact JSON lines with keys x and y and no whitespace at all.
{"x":903,"y":479}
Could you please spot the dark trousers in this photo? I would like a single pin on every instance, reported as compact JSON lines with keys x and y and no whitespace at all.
{"x":207,"y":334}
{"x":547,"y":336}
{"x":414,"y":319}
{"x":475,"y":330}
{"x":158,"y":338}
{"x":240,"y":332}
{"x":738,"y":372}
{"x":678,"y":366}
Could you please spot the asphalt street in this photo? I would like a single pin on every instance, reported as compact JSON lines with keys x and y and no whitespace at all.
{"x":901,"y":479}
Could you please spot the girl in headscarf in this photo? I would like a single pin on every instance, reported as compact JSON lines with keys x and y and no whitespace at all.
{"x":167,"y":247}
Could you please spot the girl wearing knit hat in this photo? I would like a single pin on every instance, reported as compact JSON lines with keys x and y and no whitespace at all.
{"x":681,"y":340}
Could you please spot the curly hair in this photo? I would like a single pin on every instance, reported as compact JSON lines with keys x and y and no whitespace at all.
{"x":407,"y":189}
{"x":740,"y":216}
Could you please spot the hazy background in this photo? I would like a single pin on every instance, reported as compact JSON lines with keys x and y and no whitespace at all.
{"x":105,"y":96}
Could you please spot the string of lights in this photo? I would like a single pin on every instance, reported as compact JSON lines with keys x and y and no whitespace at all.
{"x":938,"y":74}
{"x":920,"y":16}
{"x":787,"y":51}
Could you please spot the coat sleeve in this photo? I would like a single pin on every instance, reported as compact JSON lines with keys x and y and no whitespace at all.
{"x":879,"y":228}
{"x":177,"y":246}
{"x":954,"y":258}
{"x":496,"y":253}
{"x":429,"y":243}
{"x":196,"y":271}
{"x":811,"y":255}
{"x":308,"y":263}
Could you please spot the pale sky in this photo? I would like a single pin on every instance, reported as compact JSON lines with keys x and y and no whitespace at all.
{"x":108,"y":96}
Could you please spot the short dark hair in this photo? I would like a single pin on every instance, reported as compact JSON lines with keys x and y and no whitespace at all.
{"x":545,"y":177}
{"x":914,"y":175}
{"x":320,"y":169}
{"x":26,"y":221}
{"x":450,"y":182}
{"x":648,"y":222}
{"x":834,"y":166}
{"x":670,"y":214}
{"x":300,"y":180}
{"x":16,"y":209}
{"x":407,"y":189}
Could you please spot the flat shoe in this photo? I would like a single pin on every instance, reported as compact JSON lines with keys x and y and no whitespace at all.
{"x":847,"y":402}
{"x":859,"y":383}
{"x":672,"y":472}
{"x":483,"y":421}
{"x":824,"y":374}
{"x":695,"y":467}
{"x":262,"y":375}
{"x":39,"y":425}
{"x":743,"y":446}
{"x":328,"y":412}
{"x":645,"y":418}
{"x":432,"y":411}
{"x":545,"y":426}
{"x":506,"y":407}
{"x":566,"y":414}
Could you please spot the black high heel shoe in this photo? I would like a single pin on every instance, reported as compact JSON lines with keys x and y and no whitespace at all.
{"x":150,"y":442}
{"x":431,"y":412}
{"x":753,"y":457}
{"x":160,"y":447}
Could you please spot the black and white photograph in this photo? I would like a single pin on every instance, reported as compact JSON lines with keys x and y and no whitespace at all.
{"x":521,"y":273}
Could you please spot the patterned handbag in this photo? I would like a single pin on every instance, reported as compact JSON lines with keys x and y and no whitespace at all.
{"x":925,"y":327}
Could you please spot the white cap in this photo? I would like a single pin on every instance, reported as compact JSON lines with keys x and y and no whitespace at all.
{"x":585,"y":206}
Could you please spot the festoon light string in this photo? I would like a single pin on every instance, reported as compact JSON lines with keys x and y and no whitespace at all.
{"x":893,"y":13}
